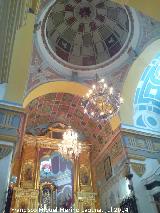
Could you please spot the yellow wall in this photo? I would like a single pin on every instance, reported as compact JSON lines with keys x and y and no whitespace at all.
{"x":54,"y":87}
{"x":131,"y":82}
{"x":148,"y":7}
{"x":20,"y":62}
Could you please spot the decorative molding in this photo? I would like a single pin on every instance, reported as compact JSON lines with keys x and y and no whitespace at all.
{"x":11,"y":123}
{"x":142,"y":143}
{"x":138,"y":131}
{"x":41,"y":141}
{"x":27,"y":193}
{"x":136,"y":157}
{"x":8,"y":138}
{"x":25,"y":198}
{"x":86,"y":195}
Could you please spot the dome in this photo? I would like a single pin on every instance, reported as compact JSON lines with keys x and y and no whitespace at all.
{"x":86,"y":33}
{"x":86,"y":37}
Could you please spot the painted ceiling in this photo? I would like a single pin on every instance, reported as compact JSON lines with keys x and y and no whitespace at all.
{"x":65,"y":108}
{"x":86,"y":32}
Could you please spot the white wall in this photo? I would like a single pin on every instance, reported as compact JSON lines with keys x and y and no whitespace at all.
{"x":113,"y":191}
{"x":5,"y":166}
{"x":144,"y":197}
{"x":2,"y":90}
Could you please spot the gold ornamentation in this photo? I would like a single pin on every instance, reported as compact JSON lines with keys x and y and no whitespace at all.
{"x":86,"y":200}
{"x":41,"y":142}
{"x":136,"y":157}
{"x":84,"y":175}
{"x":26,"y":198}
{"x":28,"y":174}
{"x":86,"y":195}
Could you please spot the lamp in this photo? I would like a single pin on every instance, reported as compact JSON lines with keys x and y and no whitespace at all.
{"x":69,"y":146}
{"x":101,"y":102}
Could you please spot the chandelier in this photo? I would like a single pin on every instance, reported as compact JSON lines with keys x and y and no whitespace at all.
{"x":100,"y":102}
{"x":70,"y":147}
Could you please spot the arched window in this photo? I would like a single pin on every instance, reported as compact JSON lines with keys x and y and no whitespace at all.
{"x":147,"y":97}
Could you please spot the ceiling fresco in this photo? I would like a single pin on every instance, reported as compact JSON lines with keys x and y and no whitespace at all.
{"x":65,"y":108}
{"x":86,"y":32}
{"x":85,"y":36}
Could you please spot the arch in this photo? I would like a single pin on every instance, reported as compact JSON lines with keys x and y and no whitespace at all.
{"x":70,"y":87}
{"x":132,"y":80}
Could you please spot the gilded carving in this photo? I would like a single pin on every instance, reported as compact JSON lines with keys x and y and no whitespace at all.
{"x":26,"y":198}
{"x":86,"y":201}
{"x":41,"y":141}
{"x":138,"y":168}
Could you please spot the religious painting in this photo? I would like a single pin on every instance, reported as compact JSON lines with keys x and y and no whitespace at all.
{"x":28,"y":171}
{"x":84,"y":176}
{"x":107,"y":168}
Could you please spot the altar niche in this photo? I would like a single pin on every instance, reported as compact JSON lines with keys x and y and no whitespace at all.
{"x":56,"y":182}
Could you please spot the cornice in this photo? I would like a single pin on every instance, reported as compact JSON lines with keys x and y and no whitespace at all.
{"x":8,"y":138}
{"x":138,"y":131}
{"x":11,"y":107}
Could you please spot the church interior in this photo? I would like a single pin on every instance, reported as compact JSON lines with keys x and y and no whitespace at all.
{"x":80,"y":106}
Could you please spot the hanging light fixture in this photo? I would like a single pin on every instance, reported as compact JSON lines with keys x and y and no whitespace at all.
{"x":69,"y":146}
{"x":101,"y":102}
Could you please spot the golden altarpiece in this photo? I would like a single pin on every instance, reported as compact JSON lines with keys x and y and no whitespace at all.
{"x":28,"y":191}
